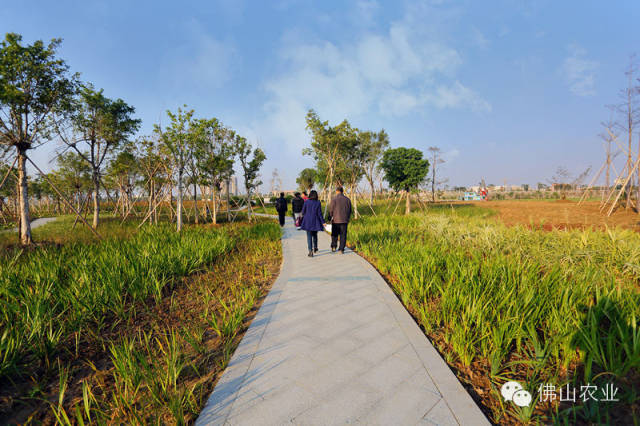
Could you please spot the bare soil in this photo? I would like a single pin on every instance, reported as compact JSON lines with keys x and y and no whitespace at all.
{"x":560,"y":214}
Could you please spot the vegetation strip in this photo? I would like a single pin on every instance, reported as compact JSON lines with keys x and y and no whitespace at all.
{"x":517,"y":304}
{"x":138,"y":344}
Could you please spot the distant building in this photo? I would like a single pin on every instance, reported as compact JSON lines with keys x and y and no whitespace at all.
{"x":233,"y":186}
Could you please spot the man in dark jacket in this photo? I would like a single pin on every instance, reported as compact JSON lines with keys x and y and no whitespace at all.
{"x":281,"y":208}
{"x":296,"y":206}
{"x":340,"y":213}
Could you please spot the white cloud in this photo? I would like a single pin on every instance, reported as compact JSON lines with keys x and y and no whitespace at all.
{"x":458,"y":96}
{"x":579,"y":72}
{"x":398,"y":72}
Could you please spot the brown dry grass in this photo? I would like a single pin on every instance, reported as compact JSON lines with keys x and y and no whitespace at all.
{"x":560,"y":214}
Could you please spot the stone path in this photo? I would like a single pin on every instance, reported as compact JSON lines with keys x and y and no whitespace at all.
{"x":35,"y":223}
{"x":332,"y":344}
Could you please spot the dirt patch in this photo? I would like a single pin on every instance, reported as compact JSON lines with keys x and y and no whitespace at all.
{"x":561,"y":214}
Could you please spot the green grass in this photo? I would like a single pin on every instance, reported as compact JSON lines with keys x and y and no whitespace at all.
{"x":56,"y":301}
{"x":534,"y":306}
{"x":56,"y":292}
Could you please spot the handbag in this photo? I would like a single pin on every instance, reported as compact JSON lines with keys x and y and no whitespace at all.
{"x":298,"y":222}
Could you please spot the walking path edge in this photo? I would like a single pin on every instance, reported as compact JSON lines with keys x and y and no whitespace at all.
{"x":238,"y":373}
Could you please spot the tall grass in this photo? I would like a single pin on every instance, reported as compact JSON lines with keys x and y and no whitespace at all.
{"x":151,"y":355}
{"x":56,"y":292}
{"x":539,"y":307}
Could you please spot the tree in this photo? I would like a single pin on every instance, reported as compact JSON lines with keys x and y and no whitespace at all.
{"x":214,"y":154}
{"x":629,"y":109}
{"x":74,"y":174}
{"x":177,"y":140}
{"x":306,"y":179}
{"x":99,"y":125}
{"x":374,"y":144}
{"x":325,"y":147}
{"x":351,"y":162}
{"x":35,"y":89}
{"x":150,"y":165}
{"x":436,"y":158}
{"x":124,"y":171}
{"x":405,"y":170}
{"x":250,"y":167}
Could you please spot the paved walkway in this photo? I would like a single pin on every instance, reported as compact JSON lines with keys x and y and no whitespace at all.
{"x":35,"y":223}
{"x":331,"y":344}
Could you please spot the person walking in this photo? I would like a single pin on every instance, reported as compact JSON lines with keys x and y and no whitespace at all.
{"x":305,"y":197}
{"x":281,"y":208}
{"x":296,"y":207}
{"x":340,"y":213}
{"x":312,"y":221}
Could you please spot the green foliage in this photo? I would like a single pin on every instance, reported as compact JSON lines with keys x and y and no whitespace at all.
{"x":177,"y":137}
{"x":35,"y":90}
{"x":404,"y":168}
{"x":374,"y":145}
{"x":250,"y":166}
{"x":306,"y":179}
{"x":52,"y":293}
{"x":213,"y":151}
{"x":532,"y":306}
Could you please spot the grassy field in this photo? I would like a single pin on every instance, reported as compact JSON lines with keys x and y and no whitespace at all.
{"x":133,"y":328}
{"x":514,"y":303}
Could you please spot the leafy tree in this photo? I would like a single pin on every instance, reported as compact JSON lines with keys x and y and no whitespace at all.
{"x":351,"y":161}
{"x":214,"y":153}
{"x":306,"y":179}
{"x":405,"y":170}
{"x":123,"y":171}
{"x":177,"y":140}
{"x":99,"y":127}
{"x":74,"y":174}
{"x":250,"y":167}
{"x":35,"y":89}
{"x":374,"y":145}
{"x":325,"y":147}
{"x":150,"y":166}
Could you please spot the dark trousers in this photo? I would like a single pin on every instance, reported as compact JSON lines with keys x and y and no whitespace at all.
{"x":339,"y":230}
{"x":281,"y":217}
{"x":312,"y":240}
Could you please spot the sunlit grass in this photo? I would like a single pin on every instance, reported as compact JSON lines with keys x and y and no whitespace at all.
{"x":529,"y":305}
{"x":56,"y":301}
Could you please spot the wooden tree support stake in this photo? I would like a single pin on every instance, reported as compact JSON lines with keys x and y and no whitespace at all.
{"x":64,"y":199}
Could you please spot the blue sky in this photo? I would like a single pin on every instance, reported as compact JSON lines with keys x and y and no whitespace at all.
{"x":508,"y":89}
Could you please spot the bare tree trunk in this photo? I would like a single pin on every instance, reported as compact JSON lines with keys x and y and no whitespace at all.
{"x":229,"y":201}
{"x":179,"y":209}
{"x":96,"y":198}
{"x":354,"y":195}
{"x":23,"y":200}
{"x":150,"y":196}
{"x":214,"y":207}
{"x":195,"y":201}
{"x":408,"y":205}
{"x":249,"y":204}
{"x":638,"y":182}
{"x":373,"y":190}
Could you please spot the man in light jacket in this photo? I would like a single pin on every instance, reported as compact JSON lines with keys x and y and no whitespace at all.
{"x":340,"y":213}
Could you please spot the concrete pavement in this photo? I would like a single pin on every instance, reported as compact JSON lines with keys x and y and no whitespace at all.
{"x":332,"y":344}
